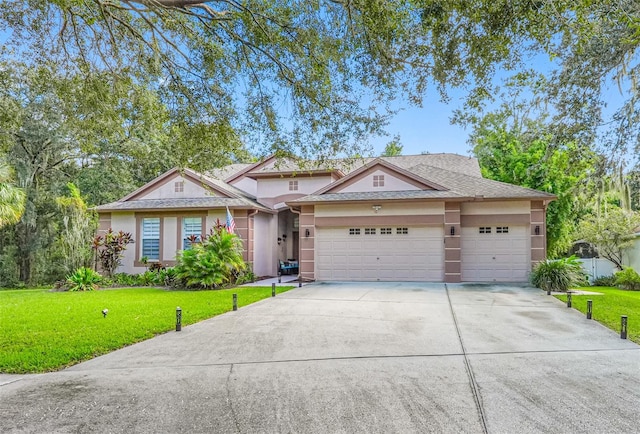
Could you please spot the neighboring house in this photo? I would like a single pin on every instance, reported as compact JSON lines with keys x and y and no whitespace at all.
{"x":410,"y":218}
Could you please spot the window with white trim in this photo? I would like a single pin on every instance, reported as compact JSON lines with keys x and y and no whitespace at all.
{"x":484,"y":230}
{"x":369,"y":231}
{"x":402,"y":231}
{"x":151,"y":238}
{"x":502,"y":230}
{"x":191,"y":227}
{"x":293,"y":185}
{"x":354,"y":231}
{"x":378,"y":180}
{"x":178,"y":186}
{"x":385,"y":231}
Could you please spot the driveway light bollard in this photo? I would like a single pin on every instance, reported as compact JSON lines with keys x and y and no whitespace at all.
{"x":178,"y":319}
{"x":623,"y":327}
{"x":589,"y":308}
{"x":279,"y":277}
{"x":568,"y":298}
{"x":235,"y":301}
{"x":273,"y":290}
{"x":548,"y":287}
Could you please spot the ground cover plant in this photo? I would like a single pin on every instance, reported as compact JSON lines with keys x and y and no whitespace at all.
{"x":608,"y":307}
{"x":45,"y":331}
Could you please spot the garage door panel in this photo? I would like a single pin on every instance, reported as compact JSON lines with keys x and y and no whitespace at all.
{"x":495,"y":257}
{"x":418,"y":255}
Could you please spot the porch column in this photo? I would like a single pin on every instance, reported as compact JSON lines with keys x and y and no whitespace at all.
{"x":307,"y":243}
{"x":452,"y":264}
{"x":538,"y":233}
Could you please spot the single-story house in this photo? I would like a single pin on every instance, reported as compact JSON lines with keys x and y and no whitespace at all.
{"x":426,"y":217}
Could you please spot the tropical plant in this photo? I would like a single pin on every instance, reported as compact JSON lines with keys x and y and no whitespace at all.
{"x":214,"y":261}
{"x":628,"y":278}
{"x":11,"y":198}
{"x":558,"y":274}
{"x":110,"y":249}
{"x":83,"y":279}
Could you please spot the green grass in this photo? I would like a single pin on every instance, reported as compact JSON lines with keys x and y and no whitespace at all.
{"x":44,"y":331}
{"x":608,"y":308}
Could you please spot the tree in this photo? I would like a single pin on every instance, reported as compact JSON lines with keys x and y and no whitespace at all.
{"x":393,"y":148}
{"x":11,"y":198}
{"x":526,"y":157}
{"x":289,"y":75}
{"x":611,"y":233}
{"x":73,"y":244}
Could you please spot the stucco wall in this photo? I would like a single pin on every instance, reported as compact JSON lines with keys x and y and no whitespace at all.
{"x":274,"y":187}
{"x":126,"y":222}
{"x":502,"y":207}
{"x":264,"y":234}
{"x":391,"y":183}
{"x":167,"y":190}
{"x":350,"y":210}
{"x":246,"y":184}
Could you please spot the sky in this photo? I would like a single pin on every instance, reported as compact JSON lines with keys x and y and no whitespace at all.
{"x":427,"y":129}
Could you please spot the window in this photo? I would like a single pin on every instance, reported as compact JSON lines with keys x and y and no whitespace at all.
{"x":385,"y":231}
{"x":402,"y":231}
{"x":369,"y":231}
{"x":354,"y":231}
{"x":293,"y":185}
{"x":484,"y":230}
{"x":191,"y":227}
{"x":179,"y":186}
{"x":502,"y":230}
{"x":378,"y":180}
{"x":151,"y":238}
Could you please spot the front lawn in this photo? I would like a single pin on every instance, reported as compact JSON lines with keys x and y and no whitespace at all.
{"x":44,"y":331}
{"x":608,"y":308}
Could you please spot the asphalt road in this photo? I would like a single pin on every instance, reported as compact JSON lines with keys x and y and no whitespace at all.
{"x":352,"y":358}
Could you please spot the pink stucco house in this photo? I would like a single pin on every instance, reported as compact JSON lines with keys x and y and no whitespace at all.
{"x":409,"y":218}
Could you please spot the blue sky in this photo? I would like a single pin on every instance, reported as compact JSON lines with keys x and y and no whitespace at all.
{"x":427,"y":128}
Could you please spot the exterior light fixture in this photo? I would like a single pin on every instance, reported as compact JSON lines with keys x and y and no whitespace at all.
{"x":537,"y":230}
{"x":376,"y":208}
{"x":453,"y":230}
{"x":307,"y":233}
{"x":284,"y":237}
{"x":279,"y":240}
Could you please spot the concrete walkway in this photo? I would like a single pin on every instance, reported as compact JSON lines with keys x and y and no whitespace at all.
{"x":353,"y":358}
{"x":285,"y":280}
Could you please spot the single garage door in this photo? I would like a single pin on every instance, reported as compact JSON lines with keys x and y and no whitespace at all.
{"x":495,"y":254}
{"x":380,"y":253}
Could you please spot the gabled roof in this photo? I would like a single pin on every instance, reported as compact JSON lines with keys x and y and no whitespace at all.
{"x":455,"y":186}
{"x":230,"y":196}
{"x":372,"y":165}
{"x":225,"y":172}
{"x":250,"y":168}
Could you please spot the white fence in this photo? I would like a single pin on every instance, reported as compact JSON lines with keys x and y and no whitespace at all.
{"x":597,"y":267}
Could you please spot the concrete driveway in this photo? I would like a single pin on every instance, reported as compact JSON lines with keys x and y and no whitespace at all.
{"x":348,"y":358}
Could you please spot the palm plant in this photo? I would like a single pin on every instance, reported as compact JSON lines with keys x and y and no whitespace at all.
{"x":12,"y":198}
{"x":214,"y":261}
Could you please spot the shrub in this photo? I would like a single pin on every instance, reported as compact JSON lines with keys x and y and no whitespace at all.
{"x":628,"y":278}
{"x":214,"y":261}
{"x":110,"y":249}
{"x":83,"y":279}
{"x":604,"y":281}
{"x":558,"y":274}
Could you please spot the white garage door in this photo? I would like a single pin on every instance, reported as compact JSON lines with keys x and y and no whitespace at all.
{"x":380,"y":253}
{"x":495,"y":254}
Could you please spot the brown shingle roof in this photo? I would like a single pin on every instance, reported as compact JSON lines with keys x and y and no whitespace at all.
{"x":182,"y":203}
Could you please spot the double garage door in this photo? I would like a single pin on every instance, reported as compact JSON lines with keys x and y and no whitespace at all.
{"x":488,"y":254}
{"x":380,"y":253}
